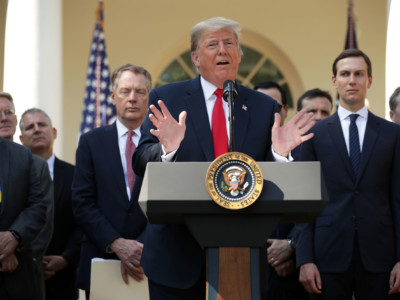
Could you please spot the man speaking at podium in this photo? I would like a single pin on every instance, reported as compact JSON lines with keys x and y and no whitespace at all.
{"x":189,"y":122}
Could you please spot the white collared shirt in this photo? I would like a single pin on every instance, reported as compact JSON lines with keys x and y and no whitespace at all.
{"x":50,"y":163}
{"x":361,"y":122}
{"x":210,"y":99}
{"x":122,"y":132}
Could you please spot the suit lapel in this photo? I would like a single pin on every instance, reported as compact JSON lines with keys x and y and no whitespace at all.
{"x":4,"y":165}
{"x":114,"y":157}
{"x":58,"y":179}
{"x":370,"y":136}
{"x":197,"y":112}
{"x":336,"y":132}
{"x":241,"y":108}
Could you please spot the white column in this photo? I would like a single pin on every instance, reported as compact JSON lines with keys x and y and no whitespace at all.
{"x":392,"y":51}
{"x":33,"y":59}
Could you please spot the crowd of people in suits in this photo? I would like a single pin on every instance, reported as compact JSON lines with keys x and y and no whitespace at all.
{"x":54,"y":217}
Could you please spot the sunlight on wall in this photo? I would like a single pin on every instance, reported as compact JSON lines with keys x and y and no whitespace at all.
{"x":392,"y":52}
{"x":33,"y":59}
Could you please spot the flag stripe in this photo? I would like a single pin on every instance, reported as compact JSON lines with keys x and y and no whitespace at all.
{"x":98,"y":109}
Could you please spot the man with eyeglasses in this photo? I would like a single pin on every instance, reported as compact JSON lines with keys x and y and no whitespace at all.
{"x":8,"y":119}
{"x":25,"y":211}
{"x":276,"y":92}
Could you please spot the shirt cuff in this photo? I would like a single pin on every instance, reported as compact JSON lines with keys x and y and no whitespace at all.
{"x":167,"y":157}
{"x":280,"y":158}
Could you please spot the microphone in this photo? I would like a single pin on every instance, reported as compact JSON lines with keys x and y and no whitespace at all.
{"x":230,"y":92}
{"x":229,"y":96}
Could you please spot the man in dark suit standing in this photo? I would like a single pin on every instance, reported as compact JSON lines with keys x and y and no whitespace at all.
{"x":172,"y":259}
{"x":42,"y":239}
{"x":353,"y":247}
{"x":105,"y":189}
{"x":22,"y":213}
{"x":60,"y":262}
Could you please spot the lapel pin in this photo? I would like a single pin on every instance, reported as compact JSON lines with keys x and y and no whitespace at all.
{"x":244,"y":107}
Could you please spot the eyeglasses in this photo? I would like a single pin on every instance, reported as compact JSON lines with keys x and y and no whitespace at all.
{"x":279,"y":107}
{"x":7,"y":113}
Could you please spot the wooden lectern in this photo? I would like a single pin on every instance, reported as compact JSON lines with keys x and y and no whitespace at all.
{"x":292,"y":193}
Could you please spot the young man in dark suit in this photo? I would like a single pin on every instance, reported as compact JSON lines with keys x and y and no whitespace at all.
{"x":105,"y":190}
{"x":172,"y":259}
{"x":353,"y":247}
{"x":60,"y":261}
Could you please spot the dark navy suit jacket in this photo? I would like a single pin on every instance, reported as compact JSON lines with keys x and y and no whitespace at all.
{"x":99,"y":199}
{"x":171,"y":256}
{"x":369,"y":204}
{"x":21,"y":209}
{"x":67,"y":237}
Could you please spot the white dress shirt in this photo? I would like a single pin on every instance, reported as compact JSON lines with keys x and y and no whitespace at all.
{"x":122,"y":132}
{"x":50,"y":163}
{"x":361,"y":122}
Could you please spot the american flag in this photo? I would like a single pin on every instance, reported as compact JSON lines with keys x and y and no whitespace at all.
{"x":98,"y":109}
{"x":351,"y":40}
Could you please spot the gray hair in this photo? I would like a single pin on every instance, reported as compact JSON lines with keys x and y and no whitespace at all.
{"x":30,"y":112}
{"x":394,"y":99}
{"x":211,"y":25}
{"x":134,"y":69}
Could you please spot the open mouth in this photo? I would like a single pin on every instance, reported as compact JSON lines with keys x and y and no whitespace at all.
{"x":222,"y":63}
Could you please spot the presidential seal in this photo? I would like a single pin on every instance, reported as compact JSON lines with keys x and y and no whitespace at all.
{"x":234,"y":180}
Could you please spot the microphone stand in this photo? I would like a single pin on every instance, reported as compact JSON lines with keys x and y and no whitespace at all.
{"x":230,"y":95}
{"x":231,"y":123}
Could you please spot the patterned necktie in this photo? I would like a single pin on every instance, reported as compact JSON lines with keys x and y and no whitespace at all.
{"x":129,"y":149}
{"x":218,"y":128}
{"x":355,"y":154}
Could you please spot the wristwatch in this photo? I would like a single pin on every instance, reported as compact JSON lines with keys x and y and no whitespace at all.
{"x":16,"y":235}
{"x":292,"y":243}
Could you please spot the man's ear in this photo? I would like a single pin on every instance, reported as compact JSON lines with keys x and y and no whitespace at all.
{"x":195,"y":59}
{"x":334,"y":81}
{"x":112,"y":97}
{"x":54,"y":133}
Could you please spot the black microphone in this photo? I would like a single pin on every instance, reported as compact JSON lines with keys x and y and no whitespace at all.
{"x":229,"y":96}
{"x":230,"y":92}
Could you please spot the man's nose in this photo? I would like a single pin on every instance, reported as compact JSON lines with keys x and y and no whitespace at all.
{"x":317,"y":116}
{"x":133,"y":96}
{"x":352,"y":78}
{"x":221,"y":48}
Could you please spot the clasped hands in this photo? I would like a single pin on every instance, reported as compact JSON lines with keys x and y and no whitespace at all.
{"x":8,"y":244}
{"x":279,"y":257}
{"x":130,"y":253}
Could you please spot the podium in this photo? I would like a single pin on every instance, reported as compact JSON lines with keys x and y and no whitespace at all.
{"x":175,"y":193}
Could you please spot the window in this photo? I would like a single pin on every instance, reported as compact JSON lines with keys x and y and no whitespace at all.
{"x":255,"y":67}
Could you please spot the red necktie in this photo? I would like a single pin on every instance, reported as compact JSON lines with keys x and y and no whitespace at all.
{"x":218,"y":128}
{"x":130,"y":148}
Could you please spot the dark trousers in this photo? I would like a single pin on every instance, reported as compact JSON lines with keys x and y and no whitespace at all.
{"x":162,"y":292}
{"x":356,"y":281}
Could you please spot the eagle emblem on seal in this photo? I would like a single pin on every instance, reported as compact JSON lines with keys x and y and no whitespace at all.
{"x":234,"y":177}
